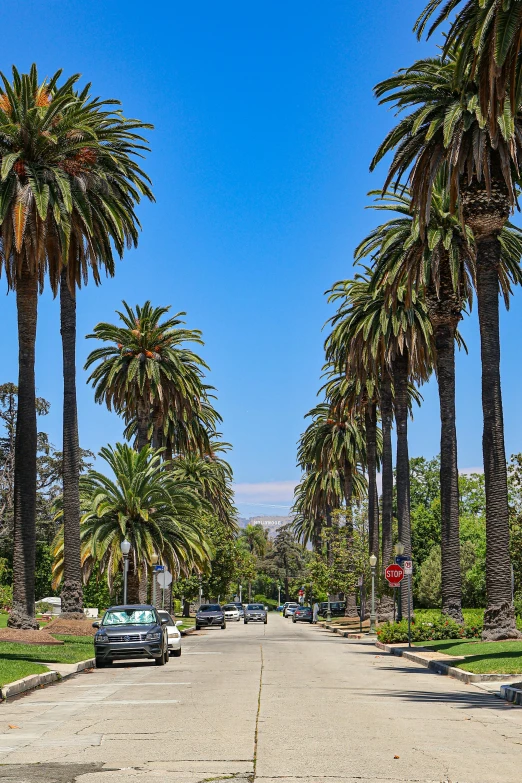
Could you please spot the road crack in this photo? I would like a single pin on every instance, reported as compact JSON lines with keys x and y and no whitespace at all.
{"x":256,"y":732}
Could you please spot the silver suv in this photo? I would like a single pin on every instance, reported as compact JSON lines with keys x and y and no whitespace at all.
{"x":255,"y":613}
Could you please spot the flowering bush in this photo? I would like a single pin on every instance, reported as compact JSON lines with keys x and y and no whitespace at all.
{"x":440,"y":628}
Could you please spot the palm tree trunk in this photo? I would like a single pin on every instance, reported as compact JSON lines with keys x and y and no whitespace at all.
{"x":387,"y":469}
{"x":24,"y":544}
{"x":401,"y":378}
{"x":370,"y":420}
{"x":72,"y":591}
{"x":499,"y":618}
{"x":444,"y":311}
{"x":143,"y":417}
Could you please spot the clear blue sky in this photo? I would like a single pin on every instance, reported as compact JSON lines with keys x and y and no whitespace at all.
{"x":265,"y":126}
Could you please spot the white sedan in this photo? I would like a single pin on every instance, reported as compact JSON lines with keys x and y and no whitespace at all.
{"x":173,"y":633}
{"x":232,"y":613}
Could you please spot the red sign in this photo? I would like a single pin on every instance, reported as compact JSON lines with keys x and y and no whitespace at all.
{"x":394,"y":574}
{"x":301,"y":592}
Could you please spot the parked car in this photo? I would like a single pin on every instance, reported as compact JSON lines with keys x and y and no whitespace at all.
{"x":280,"y":608}
{"x":231,"y":612}
{"x":289,"y":608}
{"x":255,"y":613}
{"x":210,"y":615}
{"x":337,"y":608}
{"x":303,"y":614}
{"x":131,"y":631}
{"x":240,"y":608}
{"x":173,"y":632}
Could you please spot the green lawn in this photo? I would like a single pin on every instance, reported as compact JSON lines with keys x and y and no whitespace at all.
{"x":76,"y":648}
{"x":188,"y":622}
{"x":486,"y":657}
{"x":10,"y":671}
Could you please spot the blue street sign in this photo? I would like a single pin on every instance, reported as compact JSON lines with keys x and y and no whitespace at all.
{"x":159,"y":568}
{"x":400,"y":559}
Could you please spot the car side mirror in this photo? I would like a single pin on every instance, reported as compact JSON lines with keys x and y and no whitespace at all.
{"x":164,"y":621}
{"x":96,"y":625}
{"x":179,"y":622}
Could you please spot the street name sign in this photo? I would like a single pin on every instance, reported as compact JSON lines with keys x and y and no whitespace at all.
{"x":159,"y":568}
{"x":394,"y":574}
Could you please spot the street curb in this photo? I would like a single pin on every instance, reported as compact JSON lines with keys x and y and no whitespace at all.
{"x":37,"y":680}
{"x":443,"y":668}
{"x":188,"y":631}
{"x":512,"y":693}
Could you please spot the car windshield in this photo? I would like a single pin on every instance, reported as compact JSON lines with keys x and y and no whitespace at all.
{"x":129,"y":617}
{"x":166,"y":616}
{"x":231,"y":608}
{"x":255,"y":606}
{"x":210,"y":608}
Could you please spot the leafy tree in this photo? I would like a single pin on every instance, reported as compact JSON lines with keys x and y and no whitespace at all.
{"x":286,"y":560}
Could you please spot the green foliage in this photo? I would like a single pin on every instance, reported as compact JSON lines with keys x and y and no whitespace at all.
{"x":262,"y":599}
{"x":440,"y":628}
{"x":6,"y":597}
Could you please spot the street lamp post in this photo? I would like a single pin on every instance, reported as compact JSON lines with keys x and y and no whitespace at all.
{"x":125,"y":549}
{"x":279,"y":595}
{"x":329,"y":610}
{"x":240,"y":594}
{"x":399,"y":551}
{"x":154,"y":560}
{"x":373,"y":563}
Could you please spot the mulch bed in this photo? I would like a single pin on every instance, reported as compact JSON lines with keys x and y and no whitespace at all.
{"x":27,"y":637}
{"x":68,"y":627}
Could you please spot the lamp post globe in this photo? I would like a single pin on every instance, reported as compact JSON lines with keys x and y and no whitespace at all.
{"x":125,"y":547}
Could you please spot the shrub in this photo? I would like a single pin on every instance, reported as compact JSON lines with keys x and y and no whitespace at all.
{"x":42,"y":607}
{"x":270,"y":602}
{"x":440,"y":628}
{"x":6,"y":597}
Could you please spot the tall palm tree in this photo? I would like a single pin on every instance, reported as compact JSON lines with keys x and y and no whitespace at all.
{"x":146,"y":369}
{"x":111,"y":184}
{"x":447,"y":130}
{"x":145,"y":504}
{"x":47,"y":148}
{"x":442,"y":265}
{"x":373,"y":338}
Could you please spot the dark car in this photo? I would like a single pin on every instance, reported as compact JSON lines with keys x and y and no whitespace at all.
{"x":303,"y":614}
{"x":255,"y":613}
{"x":210,"y":615}
{"x":131,"y":631}
{"x":337,"y":608}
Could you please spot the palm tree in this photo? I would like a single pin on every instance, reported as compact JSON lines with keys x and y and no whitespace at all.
{"x":212,"y":477}
{"x":144,"y":504}
{"x":446,"y":130}
{"x":111,"y":184}
{"x":255,"y":540}
{"x":373,"y":338}
{"x":146,"y":370}
{"x":487,"y":37}
{"x":47,"y":148}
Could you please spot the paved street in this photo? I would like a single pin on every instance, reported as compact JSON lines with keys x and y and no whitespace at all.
{"x":273,"y":702}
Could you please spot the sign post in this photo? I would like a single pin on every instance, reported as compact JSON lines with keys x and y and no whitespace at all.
{"x":408,"y":570}
{"x":360,"y":583}
{"x":164,"y":578}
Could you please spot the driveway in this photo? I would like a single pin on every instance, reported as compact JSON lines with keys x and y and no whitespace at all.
{"x":277,"y":702}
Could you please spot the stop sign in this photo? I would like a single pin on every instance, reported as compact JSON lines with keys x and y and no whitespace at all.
{"x":394,"y":574}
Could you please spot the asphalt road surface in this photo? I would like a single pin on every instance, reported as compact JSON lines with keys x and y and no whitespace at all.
{"x":281,"y":702}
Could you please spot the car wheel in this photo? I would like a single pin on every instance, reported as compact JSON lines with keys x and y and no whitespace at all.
{"x":167,"y":653}
{"x":198,"y":627}
{"x":223,"y":626}
{"x":176,"y":653}
{"x":294,"y":620}
{"x":161,"y":660}
{"x":266,"y":622}
{"x":100,"y":663}
{"x":246,"y":622}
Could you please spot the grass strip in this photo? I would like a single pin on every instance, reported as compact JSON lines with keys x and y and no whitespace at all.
{"x":484,"y":657}
{"x":10,"y":671}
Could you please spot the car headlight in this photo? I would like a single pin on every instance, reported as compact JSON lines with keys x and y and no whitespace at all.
{"x":153,"y":636}
{"x":101,"y":637}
